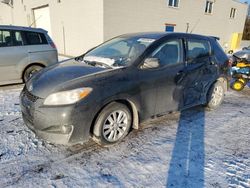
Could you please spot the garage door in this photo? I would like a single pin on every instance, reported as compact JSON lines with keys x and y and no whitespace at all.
{"x":42,"y":18}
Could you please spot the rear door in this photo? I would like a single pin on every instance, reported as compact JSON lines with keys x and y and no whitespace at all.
{"x":13,"y":54}
{"x":40,"y":51}
{"x":200,"y":72}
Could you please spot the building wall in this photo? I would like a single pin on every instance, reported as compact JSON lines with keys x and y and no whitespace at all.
{"x":76,"y":26}
{"x":146,"y":15}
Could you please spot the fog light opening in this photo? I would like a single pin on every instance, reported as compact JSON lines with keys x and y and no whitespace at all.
{"x":66,"y":129}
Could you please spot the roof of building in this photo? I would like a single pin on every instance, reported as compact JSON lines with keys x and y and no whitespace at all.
{"x":12,"y":27}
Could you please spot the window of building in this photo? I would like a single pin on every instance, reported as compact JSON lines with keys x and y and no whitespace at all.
{"x":233,"y":12}
{"x":197,"y":49}
{"x":209,"y":7}
{"x":173,"y":3}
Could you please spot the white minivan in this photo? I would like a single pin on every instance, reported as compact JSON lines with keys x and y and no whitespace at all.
{"x":23,"y":52}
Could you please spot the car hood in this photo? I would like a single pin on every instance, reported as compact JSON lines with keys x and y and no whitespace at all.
{"x":51,"y":78}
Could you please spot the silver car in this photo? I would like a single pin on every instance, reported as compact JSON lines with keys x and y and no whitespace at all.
{"x":23,"y":52}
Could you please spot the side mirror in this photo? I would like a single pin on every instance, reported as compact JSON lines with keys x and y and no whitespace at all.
{"x":150,"y":63}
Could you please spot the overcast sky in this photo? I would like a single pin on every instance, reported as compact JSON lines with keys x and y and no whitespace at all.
{"x":245,"y":1}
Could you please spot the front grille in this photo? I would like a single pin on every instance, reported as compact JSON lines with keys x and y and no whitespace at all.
{"x":29,"y":95}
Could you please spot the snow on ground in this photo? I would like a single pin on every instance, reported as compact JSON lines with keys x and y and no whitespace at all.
{"x":195,"y":148}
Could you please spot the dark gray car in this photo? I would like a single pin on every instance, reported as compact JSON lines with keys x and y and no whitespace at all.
{"x":127,"y":80}
{"x":24,"y":51}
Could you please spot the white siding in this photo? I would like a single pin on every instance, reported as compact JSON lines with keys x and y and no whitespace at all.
{"x":78,"y":25}
{"x":150,"y":15}
{"x":81,"y":21}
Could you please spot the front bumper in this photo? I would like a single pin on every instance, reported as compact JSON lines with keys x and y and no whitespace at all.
{"x":65,"y":125}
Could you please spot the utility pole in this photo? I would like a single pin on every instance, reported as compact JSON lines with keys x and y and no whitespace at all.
{"x":187,"y":28}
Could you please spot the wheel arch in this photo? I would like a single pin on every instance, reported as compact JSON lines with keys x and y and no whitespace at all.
{"x":224,"y":81}
{"x":31,"y":64}
{"x":132,"y":107}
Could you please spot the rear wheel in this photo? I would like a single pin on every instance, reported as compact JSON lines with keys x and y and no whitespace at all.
{"x":215,"y":95}
{"x":112,"y":124}
{"x":30,"y":71}
{"x":238,"y":85}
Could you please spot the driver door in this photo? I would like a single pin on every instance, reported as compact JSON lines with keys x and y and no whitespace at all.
{"x":160,"y":91}
{"x":171,"y":58}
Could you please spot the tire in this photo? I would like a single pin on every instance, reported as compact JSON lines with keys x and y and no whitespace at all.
{"x":107,"y":124}
{"x":30,"y":71}
{"x":215,"y":96}
{"x":243,"y":80}
{"x":238,"y":85}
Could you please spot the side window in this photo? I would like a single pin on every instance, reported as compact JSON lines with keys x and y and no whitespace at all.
{"x":197,"y":49}
{"x":34,"y":38}
{"x":18,"y":39}
{"x":5,"y":38}
{"x":171,"y":52}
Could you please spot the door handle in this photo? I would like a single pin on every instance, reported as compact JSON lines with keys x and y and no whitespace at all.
{"x":179,"y":73}
{"x":212,"y":63}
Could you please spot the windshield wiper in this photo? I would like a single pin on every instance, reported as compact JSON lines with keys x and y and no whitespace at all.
{"x":96,"y":63}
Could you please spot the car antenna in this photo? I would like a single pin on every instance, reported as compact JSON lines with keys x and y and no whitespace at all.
{"x":195,"y":25}
{"x":35,"y":21}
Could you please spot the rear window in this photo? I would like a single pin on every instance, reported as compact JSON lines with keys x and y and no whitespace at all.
{"x":197,"y":49}
{"x":34,"y":38}
{"x":219,"y":53}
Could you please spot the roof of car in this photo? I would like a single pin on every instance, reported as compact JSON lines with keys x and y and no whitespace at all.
{"x":158,"y":35}
{"x":21,"y":28}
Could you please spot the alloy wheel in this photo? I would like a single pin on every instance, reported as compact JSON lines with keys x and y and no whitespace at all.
{"x":115,"y":125}
{"x":217,"y":95}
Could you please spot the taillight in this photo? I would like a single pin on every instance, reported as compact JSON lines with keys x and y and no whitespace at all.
{"x":52,"y":44}
{"x":229,"y":62}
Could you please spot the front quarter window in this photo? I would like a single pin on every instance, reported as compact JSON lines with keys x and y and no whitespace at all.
{"x":118,"y":52}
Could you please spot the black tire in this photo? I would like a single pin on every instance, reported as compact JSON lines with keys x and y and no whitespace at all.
{"x":237,"y":85}
{"x":215,"y":95}
{"x":104,"y":130}
{"x":30,"y":71}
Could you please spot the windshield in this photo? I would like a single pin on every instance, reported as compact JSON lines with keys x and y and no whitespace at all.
{"x":118,"y":52}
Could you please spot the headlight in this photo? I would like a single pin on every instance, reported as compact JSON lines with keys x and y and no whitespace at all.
{"x":67,"y":97}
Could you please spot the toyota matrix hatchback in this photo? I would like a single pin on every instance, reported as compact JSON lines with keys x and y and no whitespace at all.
{"x":23,"y":52}
{"x":112,"y":88}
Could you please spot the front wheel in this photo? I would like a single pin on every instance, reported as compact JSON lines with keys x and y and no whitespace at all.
{"x":112,"y":124}
{"x":30,"y":71}
{"x":215,"y":95}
